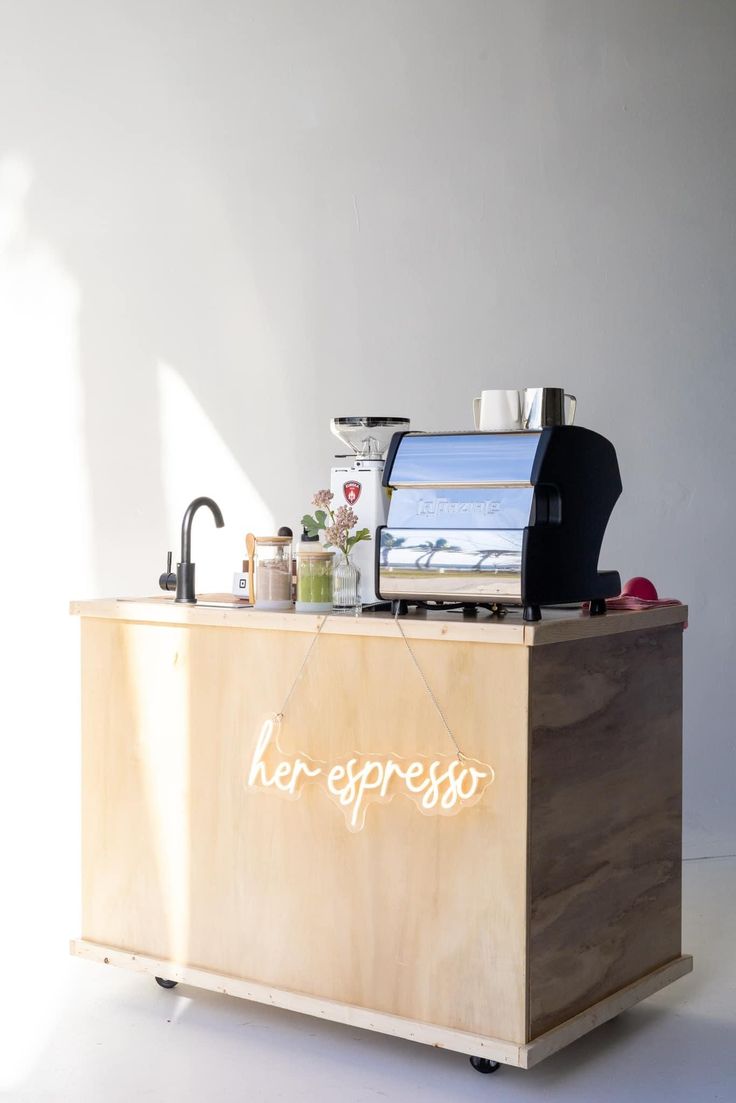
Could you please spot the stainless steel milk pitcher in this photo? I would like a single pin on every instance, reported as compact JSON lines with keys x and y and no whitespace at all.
{"x":543,"y":406}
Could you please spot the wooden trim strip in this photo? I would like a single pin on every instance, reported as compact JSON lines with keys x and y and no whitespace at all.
{"x":444,"y":1038}
{"x":431,"y":626}
{"x":560,"y":1036}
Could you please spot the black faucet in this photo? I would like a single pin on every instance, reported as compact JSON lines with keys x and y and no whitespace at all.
{"x":183,"y":580}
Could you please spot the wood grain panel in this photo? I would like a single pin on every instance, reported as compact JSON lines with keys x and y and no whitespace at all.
{"x":415,"y":916}
{"x":605,"y":818}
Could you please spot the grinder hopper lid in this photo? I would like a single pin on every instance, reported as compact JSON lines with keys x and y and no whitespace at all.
{"x":368,"y":437}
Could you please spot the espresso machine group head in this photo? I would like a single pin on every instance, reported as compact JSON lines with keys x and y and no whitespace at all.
{"x":498,"y":518}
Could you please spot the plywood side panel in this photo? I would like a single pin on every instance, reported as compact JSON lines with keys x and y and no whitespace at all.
{"x":605,"y":818}
{"x":414,"y":916}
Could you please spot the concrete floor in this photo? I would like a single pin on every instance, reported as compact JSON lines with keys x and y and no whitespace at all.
{"x":84,"y":1034}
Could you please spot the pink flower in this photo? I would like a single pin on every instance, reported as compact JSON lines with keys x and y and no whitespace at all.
{"x":322,"y":499}
{"x":345,"y":517}
{"x":336,"y":535}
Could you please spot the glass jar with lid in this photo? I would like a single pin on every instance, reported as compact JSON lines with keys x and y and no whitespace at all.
{"x":272,"y":572}
{"x":313,"y":578}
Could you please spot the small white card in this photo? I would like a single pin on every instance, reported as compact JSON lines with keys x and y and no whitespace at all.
{"x":240,"y":585}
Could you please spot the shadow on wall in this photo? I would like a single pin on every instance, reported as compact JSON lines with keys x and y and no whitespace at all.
{"x":191,"y":316}
{"x":117,"y":457}
{"x":150,"y":351}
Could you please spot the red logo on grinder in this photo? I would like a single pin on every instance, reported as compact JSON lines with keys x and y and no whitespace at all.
{"x":351,"y":490}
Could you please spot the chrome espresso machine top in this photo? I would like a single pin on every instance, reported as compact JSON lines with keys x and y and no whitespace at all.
{"x":498,"y":518}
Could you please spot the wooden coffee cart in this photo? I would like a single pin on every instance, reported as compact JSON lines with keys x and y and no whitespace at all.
{"x":503,"y":926}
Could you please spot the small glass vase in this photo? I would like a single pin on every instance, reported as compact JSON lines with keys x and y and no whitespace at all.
{"x":345,"y":587}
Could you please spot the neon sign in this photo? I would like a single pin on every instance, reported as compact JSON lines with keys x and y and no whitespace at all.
{"x":438,"y":786}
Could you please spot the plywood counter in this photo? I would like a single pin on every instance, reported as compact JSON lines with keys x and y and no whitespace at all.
{"x":503,"y":925}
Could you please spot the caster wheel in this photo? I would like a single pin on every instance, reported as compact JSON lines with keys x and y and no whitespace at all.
{"x":166,"y":983}
{"x":484,"y":1064}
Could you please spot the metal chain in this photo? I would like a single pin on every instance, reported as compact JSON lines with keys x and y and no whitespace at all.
{"x":305,"y":660}
{"x":300,"y":671}
{"x":428,"y":687}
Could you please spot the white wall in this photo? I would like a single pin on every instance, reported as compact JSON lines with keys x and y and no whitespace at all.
{"x":223,"y":222}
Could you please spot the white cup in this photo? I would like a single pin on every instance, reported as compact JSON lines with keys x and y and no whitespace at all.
{"x":498,"y":411}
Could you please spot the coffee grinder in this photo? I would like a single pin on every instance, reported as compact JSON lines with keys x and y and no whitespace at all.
{"x":358,"y":483}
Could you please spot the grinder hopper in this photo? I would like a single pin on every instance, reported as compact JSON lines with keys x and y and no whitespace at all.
{"x":367,"y":437}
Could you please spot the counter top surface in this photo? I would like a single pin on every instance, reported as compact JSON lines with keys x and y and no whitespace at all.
{"x":557,"y":624}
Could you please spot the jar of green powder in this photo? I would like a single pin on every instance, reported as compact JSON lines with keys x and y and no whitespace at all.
{"x":313,"y":578}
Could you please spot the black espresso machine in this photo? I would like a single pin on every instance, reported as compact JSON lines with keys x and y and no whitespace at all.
{"x":496,"y":519}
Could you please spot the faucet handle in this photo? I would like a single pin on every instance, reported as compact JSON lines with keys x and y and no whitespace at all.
{"x":167,"y":581}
